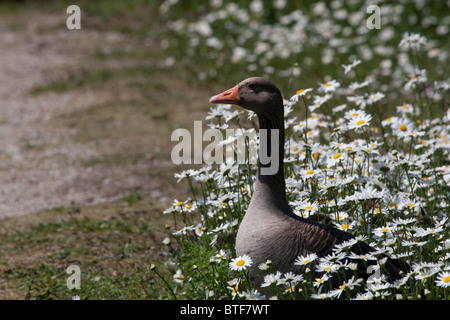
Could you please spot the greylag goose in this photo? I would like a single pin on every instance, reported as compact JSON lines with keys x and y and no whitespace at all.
{"x":269,"y":229}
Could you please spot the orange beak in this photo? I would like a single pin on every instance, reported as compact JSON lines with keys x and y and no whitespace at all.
{"x":230,"y":96}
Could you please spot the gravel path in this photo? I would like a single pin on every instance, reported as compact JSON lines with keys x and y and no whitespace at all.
{"x":38,"y":162}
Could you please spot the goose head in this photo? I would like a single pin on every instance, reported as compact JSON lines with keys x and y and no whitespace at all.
{"x":256,"y":94}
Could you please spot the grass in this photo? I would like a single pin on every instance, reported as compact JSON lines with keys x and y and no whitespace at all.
{"x":114,"y":245}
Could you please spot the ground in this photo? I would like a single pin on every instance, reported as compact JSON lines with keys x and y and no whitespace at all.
{"x":85,"y":123}
{"x":75,"y":125}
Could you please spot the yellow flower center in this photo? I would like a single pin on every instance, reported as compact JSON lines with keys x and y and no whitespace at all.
{"x":384,"y":230}
{"x":360,"y":122}
{"x":180,"y":203}
{"x":310,"y":172}
{"x":309,"y":208}
{"x":327,"y":84}
{"x":446,"y":279}
{"x":300,"y":91}
{"x":240,"y":263}
{"x":188,"y":206}
{"x":337,"y":156}
{"x":402,"y":127}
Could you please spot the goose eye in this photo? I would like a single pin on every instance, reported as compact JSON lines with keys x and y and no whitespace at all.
{"x":251,"y":85}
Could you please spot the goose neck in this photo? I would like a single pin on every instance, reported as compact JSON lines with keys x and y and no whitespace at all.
{"x":270,"y":183}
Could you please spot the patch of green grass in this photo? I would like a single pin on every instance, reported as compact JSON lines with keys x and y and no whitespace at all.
{"x":133,"y":198}
{"x":80,"y":79}
{"x":114,"y":245}
{"x":106,"y":122}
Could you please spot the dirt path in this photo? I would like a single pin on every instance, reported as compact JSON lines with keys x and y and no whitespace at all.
{"x":41,"y":165}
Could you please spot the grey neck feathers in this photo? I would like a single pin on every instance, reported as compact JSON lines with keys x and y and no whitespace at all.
{"x":270,"y":186}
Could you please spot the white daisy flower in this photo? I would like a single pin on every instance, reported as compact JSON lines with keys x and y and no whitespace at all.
{"x":412,"y":41}
{"x":300,"y":93}
{"x":329,"y":86}
{"x":178,"y":277}
{"x":443,"y":279}
{"x":304,"y":260}
{"x":375,"y":97}
{"x":318,"y":281}
{"x":405,"y":108}
{"x":272,"y":279}
{"x":240,"y":263}
{"x":349,"y":67}
{"x":359,"y":121}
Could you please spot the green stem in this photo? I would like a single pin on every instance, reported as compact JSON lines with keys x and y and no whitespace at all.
{"x":153,"y":268}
